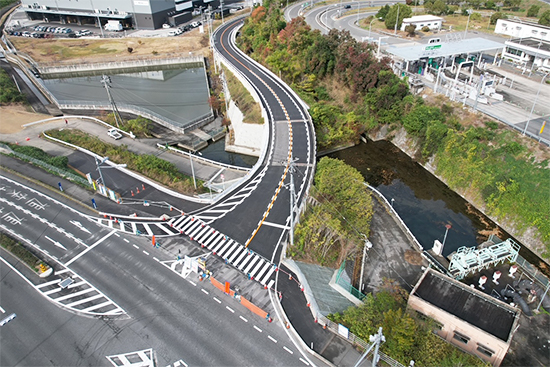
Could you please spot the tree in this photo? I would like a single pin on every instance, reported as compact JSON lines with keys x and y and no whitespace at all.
{"x":383,"y":12}
{"x":391,"y":18}
{"x":533,"y":11}
{"x":496,"y":16}
{"x":512,"y":4}
{"x":410,"y":30}
{"x":545,"y":18}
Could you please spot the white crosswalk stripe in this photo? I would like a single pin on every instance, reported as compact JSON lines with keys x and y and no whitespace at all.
{"x":141,"y":358}
{"x":197,"y":228}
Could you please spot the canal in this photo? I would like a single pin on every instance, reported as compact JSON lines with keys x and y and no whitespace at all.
{"x":424,"y":202}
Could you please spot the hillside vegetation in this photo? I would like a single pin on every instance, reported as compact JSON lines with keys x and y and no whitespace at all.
{"x":351,"y":92}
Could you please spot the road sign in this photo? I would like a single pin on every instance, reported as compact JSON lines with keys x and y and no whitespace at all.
{"x":432,"y":47}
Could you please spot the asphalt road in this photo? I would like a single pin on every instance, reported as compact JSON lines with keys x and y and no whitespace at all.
{"x":262,"y":203}
{"x":146,"y":304}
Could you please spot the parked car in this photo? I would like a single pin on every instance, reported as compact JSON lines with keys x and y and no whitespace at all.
{"x":348,"y":6}
{"x":113,"y":133}
{"x":166,"y":26}
{"x":172,"y":32}
{"x":195,"y":24}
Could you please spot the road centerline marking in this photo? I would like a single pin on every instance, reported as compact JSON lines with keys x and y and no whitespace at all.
{"x":230,"y":309}
{"x":217,"y":300}
{"x":242,"y":318}
{"x":288,"y":350}
{"x":272,"y":339}
{"x":145,"y":252}
{"x":204,"y":291}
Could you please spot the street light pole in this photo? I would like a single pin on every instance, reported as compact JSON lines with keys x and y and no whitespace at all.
{"x":534,"y":103}
{"x":379,"y":43}
{"x":192,"y":169}
{"x":397,"y":19}
{"x":470,"y":11}
{"x":370,"y":26}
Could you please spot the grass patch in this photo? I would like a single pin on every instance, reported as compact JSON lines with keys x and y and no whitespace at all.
{"x":8,"y":90}
{"x":22,"y":253}
{"x":148,"y":165}
{"x":243,"y":99}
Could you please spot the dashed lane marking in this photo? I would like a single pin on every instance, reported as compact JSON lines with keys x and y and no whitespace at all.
{"x":272,"y":339}
{"x":217,"y":300}
{"x":230,"y":309}
{"x":145,"y":252}
{"x":126,"y":240}
{"x":1,"y":309}
{"x":154,"y":258}
{"x":136,"y":246}
{"x":257,"y":328}
{"x":194,"y":284}
{"x":116,"y":234}
{"x":304,"y":361}
{"x":288,"y":350}
{"x":242,"y":318}
{"x":204,"y":291}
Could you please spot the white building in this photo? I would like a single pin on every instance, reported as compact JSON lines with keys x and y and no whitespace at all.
{"x":137,"y":14}
{"x":517,"y":28}
{"x":421,"y":21}
{"x":532,"y":53}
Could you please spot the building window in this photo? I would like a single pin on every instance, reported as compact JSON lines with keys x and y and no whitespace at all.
{"x":461,"y":337}
{"x":485,"y":351}
{"x":543,"y":34}
{"x":518,"y":28}
{"x":534,"y":32}
{"x":504,"y":25}
{"x":513,"y":51}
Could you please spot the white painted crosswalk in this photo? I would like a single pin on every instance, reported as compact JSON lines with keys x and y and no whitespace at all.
{"x":252,"y":264}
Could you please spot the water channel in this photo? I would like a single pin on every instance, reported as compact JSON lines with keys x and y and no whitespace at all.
{"x":424,"y":202}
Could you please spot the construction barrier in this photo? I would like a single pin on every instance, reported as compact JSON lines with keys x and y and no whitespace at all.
{"x":246,"y":303}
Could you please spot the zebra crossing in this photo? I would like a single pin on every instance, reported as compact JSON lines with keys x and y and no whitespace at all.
{"x":157,"y":229}
{"x":247,"y":261}
{"x":140,"y":358}
{"x":71,"y":291}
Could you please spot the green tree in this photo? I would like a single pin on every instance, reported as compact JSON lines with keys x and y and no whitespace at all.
{"x":383,"y":12}
{"x":410,"y":30}
{"x":513,"y":4}
{"x":496,"y":16}
{"x":533,"y":11}
{"x":391,"y":18}
{"x":8,"y":90}
{"x":417,"y":121}
{"x":545,"y":18}
{"x":437,"y":7}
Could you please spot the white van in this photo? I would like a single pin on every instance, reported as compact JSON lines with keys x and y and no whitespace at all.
{"x":113,"y":25}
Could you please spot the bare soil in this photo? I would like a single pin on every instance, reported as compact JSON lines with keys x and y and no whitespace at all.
{"x":71,"y":51}
{"x":13,"y":116}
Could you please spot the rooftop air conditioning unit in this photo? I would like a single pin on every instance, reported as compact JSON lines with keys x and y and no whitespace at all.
{"x":97,"y":11}
{"x":45,"y":7}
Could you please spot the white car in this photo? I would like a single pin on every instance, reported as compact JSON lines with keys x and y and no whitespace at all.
{"x":166,"y":26}
{"x":113,"y":133}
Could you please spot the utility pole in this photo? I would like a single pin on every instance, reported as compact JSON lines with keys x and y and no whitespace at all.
{"x":396,"y":19}
{"x":377,"y":339}
{"x":221,"y":9}
{"x":366,"y":246}
{"x":106,"y":80}
{"x":291,"y":170}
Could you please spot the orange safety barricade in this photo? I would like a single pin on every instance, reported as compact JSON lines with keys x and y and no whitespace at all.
{"x":252,"y":307}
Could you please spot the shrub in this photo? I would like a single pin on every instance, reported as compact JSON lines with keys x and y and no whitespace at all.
{"x":425,"y":29}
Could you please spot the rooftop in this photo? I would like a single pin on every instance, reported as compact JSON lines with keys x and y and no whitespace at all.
{"x":479,"y":310}
{"x":535,"y":43}
{"x":444,"y":49}
{"x":526,"y":22}
{"x":422,"y":18}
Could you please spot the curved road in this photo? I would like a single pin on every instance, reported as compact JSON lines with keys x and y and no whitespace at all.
{"x":259,"y":214}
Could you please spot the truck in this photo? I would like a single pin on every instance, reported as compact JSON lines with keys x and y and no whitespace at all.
{"x":113,"y":25}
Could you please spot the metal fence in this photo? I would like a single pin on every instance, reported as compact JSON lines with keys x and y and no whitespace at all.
{"x":344,"y":283}
{"x":60,"y":172}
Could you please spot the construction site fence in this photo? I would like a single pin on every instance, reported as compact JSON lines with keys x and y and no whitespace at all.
{"x":347,"y":285}
{"x":245,"y":302}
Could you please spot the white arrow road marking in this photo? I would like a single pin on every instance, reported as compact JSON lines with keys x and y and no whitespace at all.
{"x":80,"y":226}
{"x":56,"y":243}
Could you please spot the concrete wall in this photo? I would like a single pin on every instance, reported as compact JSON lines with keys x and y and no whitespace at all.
{"x":247,"y":138}
{"x":452,"y":323}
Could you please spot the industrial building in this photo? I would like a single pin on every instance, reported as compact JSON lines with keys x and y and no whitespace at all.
{"x":466,"y":317}
{"x":420,"y":21}
{"x":517,"y":28}
{"x":532,"y":53}
{"x":132,"y":14}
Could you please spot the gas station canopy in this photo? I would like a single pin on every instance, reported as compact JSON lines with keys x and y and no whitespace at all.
{"x":444,"y":49}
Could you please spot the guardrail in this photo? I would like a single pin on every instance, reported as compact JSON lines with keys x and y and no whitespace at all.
{"x":199,"y":158}
{"x":114,"y":65}
{"x":139,"y":111}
